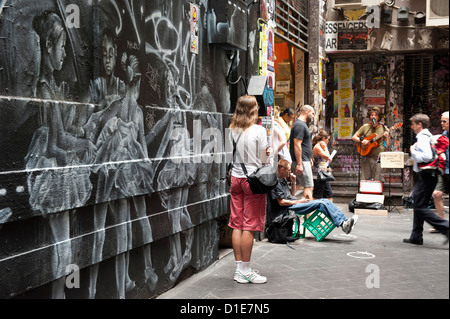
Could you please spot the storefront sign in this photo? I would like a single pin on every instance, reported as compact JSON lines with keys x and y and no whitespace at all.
{"x":283,"y":86}
{"x":346,"y":35}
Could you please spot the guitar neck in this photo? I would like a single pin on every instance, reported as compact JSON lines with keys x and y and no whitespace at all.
{"x":396,"y":126}
{"x":376,"y":138}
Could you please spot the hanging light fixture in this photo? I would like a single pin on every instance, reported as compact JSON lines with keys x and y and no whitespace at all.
{"x":386,"y":16}
{"x":419,"y":18}
{"x":402,"y":14}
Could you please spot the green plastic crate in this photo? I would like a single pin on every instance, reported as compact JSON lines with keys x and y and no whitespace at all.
{"x":319,"y":224}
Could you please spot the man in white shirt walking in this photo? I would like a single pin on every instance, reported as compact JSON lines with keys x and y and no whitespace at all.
{"x":426,"y":181}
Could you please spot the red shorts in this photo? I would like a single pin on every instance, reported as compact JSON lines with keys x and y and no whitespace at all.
{"x":248,"y":210}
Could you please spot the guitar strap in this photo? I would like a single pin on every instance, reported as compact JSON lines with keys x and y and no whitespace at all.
{"x":367,"y":132}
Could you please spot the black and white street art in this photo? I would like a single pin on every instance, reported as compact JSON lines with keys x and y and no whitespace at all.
{"x":112,"y":153}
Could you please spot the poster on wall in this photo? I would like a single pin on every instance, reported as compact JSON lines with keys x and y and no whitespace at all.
{"x":195,"y":12}
{"x":343,"y":103}
{"x":270,"y":50}
{"x":266,"y":50}
{"x":268,"y":9}
{"x":343,"y":129}
{"x":345,"y":108}
{"x":344,"y":81}
{"x":344,"y":96}
{"x":344,"y":75}
{"x":263,"y":49}
{"x":352,"y":39}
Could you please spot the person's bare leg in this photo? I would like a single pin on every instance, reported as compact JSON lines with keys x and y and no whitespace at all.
{"x":307,"y":193}
{"x":439,"y":203}
{"x":242,"y":241}
{"x":236,"y":243}
{"x":247,"y":245}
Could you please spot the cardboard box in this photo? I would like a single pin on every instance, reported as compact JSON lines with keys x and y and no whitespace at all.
{"x":370,"y":198}
{"x":373,"y":212}
{"x":371,"y":187}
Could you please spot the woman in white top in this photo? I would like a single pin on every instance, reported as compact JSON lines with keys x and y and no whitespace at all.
{"x":248,"y":210}
{"x":280,"y":148}
{"x":322,"y":157}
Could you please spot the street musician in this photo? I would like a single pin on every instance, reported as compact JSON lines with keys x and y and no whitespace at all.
{"x":371,"y":139}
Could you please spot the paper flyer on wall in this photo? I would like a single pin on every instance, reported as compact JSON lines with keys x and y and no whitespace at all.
{"x":343,"y":128}
{"x":344,"y":80}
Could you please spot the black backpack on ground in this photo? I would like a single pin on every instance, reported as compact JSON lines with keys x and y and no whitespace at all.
{"x":284,"y":228}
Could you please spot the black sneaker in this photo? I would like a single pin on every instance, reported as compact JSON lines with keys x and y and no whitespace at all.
{"x":415,"y":242}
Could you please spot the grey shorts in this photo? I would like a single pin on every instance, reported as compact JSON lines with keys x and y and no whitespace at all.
{"x":442,"y":184}
{"x":306,"y":179}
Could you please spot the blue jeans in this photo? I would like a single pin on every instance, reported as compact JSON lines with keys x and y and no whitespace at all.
{"x":324,"y":205}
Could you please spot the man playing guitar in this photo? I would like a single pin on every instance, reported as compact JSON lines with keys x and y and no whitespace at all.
{"x":370,"y":139}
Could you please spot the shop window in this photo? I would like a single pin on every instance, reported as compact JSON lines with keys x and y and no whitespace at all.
{"x":292,"y":18}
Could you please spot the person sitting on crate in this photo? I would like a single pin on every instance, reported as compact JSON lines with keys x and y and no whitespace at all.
{"x":281,"y":199}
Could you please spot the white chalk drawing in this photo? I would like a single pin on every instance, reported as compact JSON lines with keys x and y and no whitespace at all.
{"x":361,"y":255}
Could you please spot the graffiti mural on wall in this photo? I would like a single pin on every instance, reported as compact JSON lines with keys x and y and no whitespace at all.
{"x":441,"y":87}
{"x":395,"y":104}
{"x":95,"y":117}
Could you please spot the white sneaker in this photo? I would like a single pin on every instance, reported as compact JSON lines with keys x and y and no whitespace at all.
{"x":252,"y":277}
{"x":236,"y":275}
{"x":348,"y":225}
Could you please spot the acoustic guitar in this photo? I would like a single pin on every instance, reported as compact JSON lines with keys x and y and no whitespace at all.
{"x":365,"y":150}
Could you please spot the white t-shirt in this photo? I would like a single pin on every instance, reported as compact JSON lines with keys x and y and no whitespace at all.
{"x":284,"y":153}
{"x":250,"y":149}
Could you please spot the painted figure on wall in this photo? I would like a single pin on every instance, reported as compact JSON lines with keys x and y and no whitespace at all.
{"x":174,"y":181}
{"x":109,"y":85}
{"x":122,"y":143}
{"x":55,"y":145}
{"x":118,"y":132}
{"x":56,"y":142}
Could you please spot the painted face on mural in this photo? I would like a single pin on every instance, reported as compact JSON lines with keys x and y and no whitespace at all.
{"x":58,"y":52}
{"x":109,"y":55}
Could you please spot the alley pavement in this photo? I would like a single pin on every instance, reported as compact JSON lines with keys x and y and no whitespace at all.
{"x":372,"y":262}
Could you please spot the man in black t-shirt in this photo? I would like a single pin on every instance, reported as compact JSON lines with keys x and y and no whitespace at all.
{"x":301,"y":150}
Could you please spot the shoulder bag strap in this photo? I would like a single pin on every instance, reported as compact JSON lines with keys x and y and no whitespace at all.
{"x":234,"y":148}
{"x":239,"y":157}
